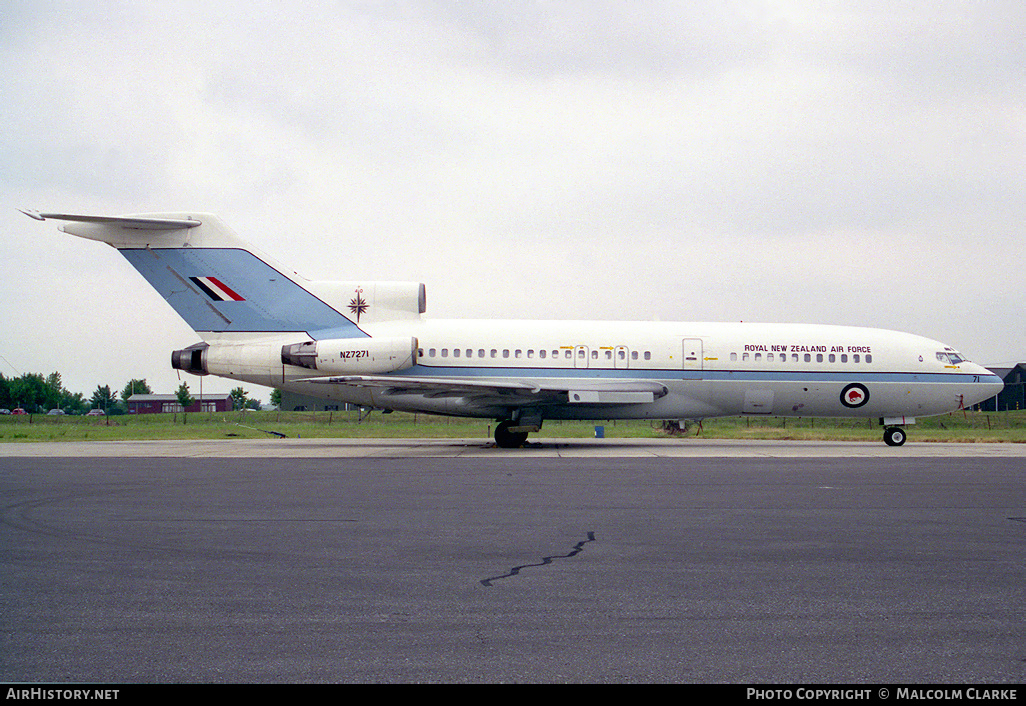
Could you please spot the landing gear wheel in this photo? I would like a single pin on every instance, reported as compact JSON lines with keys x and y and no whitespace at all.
{"x":894,"y":436}
{"x":506,"y":439}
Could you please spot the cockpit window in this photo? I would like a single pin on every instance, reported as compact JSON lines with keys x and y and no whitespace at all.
{"x":949,"y":357}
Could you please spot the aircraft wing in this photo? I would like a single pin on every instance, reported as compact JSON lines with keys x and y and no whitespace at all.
{"x":518,"y":392}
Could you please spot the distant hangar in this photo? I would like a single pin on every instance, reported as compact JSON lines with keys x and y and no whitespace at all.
{"x":1013,"y":397}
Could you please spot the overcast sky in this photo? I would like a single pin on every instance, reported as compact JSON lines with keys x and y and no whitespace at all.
{"x":856,"y":163}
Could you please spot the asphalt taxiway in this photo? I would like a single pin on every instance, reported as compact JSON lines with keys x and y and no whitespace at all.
{"x":485,"y":448}
{"x":582,"y":561}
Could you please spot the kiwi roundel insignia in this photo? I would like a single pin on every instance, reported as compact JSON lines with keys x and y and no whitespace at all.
{"x":854,"y":395}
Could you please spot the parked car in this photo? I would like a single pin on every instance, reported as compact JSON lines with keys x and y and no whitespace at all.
{"x":54,"y":412}
{"x":5,"y":411}
{"x":19,"y":410}
{"x":95,"y":413}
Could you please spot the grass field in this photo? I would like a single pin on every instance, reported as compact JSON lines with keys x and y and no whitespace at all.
{"x":968,"y":427}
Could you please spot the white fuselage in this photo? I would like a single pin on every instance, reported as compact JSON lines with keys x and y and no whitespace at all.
{"x":708,"y":369}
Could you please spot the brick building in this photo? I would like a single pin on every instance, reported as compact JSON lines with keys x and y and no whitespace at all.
{"x":156,"y":404}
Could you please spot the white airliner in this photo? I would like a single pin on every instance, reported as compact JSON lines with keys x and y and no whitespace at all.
{"x":368,"y":343}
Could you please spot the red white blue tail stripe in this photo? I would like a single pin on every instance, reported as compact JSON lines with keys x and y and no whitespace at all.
{"x":217,"y":290}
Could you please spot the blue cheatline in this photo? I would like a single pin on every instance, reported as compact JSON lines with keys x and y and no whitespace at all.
{"x":800,"y":375}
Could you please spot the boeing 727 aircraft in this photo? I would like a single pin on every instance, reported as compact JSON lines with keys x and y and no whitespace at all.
{"x":368,"y":343}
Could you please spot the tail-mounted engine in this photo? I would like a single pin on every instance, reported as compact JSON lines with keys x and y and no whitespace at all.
{"x":192,"y":359}
{"x":352,"y":356}
{"x":263,"y":362}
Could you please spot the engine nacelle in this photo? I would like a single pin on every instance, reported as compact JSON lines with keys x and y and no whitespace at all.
{"x":261,"y":361}
{"x":258,"y":361}
{"x":192,"y":359}
{"x":352,"y":356}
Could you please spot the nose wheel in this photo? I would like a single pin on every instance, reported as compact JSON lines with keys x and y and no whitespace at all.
{"x":894,"y":436}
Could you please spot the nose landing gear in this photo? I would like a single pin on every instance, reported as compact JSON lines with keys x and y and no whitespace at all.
{"x":894,"y":436}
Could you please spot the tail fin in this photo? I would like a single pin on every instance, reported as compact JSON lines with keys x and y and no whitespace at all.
{"x":213,"y":279}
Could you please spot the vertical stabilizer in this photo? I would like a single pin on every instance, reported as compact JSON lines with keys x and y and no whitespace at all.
{"x":212,"y":278}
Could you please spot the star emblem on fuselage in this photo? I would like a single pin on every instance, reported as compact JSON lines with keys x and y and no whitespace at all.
{"x":358,"y":305}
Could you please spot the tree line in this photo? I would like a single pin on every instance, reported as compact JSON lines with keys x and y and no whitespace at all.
{"x":37,"y":393}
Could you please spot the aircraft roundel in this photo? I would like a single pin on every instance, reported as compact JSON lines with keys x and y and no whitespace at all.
{"x":854,"y":395}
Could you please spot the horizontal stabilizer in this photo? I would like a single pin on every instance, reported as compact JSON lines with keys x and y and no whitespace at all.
{"x":132,"y":222}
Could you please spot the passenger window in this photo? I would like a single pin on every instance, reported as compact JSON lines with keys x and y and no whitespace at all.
{"x":541,"y":353}
{"x":869,"y":358}
{"x":445,"y":352}
{"x":758,"y":357}
{"x":432,"y":352}
{"x":648,"y":355}
{"x":480,"y":353}
{"x":832,"y":358}
{"x":518,"y":353}
{"x":634,"y":355}
{"x":744,"y":356}
{"x":733,"y":356}
{"x":455,"y":352}
{"x":855,"y":358}
{"x":505,"y":352}
{"x":594,"y":355}
{"x":794,"y":357}
{"x":530,"y":353}
{"x":819,"y":357}
{"x":609,"y":355}
{"x":570,"y":354}
{"x":769,"y":358}
{"x":495,"y":353}
{"x":808,"y":358}
{"x":844,"y":357}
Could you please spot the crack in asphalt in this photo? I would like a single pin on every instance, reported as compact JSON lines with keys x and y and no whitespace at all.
{"x":578,"y":548}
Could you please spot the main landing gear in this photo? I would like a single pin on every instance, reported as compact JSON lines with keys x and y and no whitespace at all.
{"x":894,"y":436}
{"x":507,"y":439}
{"x":512,"y":433}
